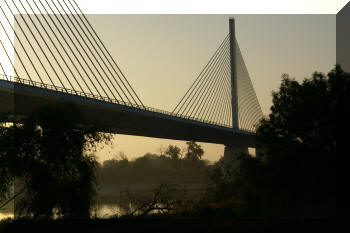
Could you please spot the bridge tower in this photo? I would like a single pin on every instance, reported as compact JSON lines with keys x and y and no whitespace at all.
{"x":229,"y":149}
{"x":233,"y":62}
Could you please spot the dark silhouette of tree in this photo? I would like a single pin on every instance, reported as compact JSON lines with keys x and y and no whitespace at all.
{"x":173,"y":151}
{"x":49,"y":150}
{"x":7,"y":159}
{"x":295,"y":174}
{"x":194,"y":151}
{"x":300,"y":139}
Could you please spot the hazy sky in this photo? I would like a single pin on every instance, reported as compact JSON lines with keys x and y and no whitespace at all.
{"x":161,"y":56}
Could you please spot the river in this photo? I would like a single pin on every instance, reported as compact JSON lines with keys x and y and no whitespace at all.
{"x":102,"y":211}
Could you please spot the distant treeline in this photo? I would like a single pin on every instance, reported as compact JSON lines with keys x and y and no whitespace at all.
{"x":154,"y":169}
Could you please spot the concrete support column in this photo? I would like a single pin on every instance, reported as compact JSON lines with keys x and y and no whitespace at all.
{"x":260,"y":152}
{"x":235,"y":150}
{"x":232,"y":153}
{"x":234,"y":100}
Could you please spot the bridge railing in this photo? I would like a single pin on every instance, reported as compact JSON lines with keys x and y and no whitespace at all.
{"x":106,"y":99}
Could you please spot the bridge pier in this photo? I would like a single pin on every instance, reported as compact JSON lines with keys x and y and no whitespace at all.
{"x":235,"y":150}
{"x":260,"y":151}
{"x":232,"y":153}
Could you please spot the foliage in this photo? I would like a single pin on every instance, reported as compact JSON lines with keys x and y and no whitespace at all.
{"x":152,"y":183}
{"x":151,"y":169}
{"x":300,"y":138}
{"x":48,"y":153}
{"x":162,"y":199}
{"x":7,"y":161}
{"x":295,"y":174}
{"x":194,"y":151}
{"x":229,"y":183}
{"x":173,"y":151}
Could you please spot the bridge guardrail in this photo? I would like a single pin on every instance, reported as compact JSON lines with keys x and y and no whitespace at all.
{"x":106,"y":99}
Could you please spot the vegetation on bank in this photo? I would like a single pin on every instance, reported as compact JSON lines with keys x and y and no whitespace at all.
{"x":169,"y":182}
{"x":295,"y":174}
{"x":171,"y":167}
{"x":46,"y":153}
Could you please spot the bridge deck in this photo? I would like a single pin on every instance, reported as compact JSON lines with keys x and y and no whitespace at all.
{"x":22,"y":99}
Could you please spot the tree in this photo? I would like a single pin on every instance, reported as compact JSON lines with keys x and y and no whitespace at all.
{"x":7,"y":160}
{"x":300,"y":138}
{"x":173,"y":151}
{"x":194,"y":151}
{"x":48,"y":150}
{"x":305,"y":114}
{"x":297,"y":170}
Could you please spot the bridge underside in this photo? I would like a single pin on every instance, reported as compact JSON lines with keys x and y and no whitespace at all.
{"x":23,"y":99}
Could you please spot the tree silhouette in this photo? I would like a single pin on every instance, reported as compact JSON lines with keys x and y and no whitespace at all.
{"x":296,"y":173}
{"x":7,"y":159}
{"x":173,"y":151}
{"x":48,"y":150}
{"x":300,"y":139}
{"x":194,"y":151}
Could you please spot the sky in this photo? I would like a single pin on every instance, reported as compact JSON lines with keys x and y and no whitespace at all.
{"x":161,"y":55}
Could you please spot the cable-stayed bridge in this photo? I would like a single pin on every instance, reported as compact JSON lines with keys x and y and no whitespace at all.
{"x":59,"y":55}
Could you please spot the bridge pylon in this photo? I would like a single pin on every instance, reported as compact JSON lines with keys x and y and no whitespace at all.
{"x":233,"y":64}
{"x":234,"y":151}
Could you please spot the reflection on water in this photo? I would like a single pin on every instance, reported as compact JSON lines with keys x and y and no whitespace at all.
{"x":109,"y":210}
{"x":7,"y":211}
{"x":102,"y":211}
{"x":112,"y":204}
{"x":5,"y":215}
